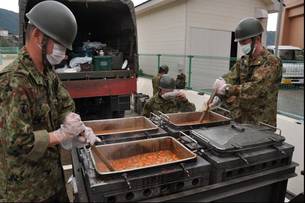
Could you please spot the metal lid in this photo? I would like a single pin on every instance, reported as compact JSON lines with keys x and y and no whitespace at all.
{"x":234,"y":138}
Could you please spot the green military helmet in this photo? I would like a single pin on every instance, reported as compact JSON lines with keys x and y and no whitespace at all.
{"x":164,"y":68}
{"x":167,"y":82}
{"x":248,"y":28}
{"x":55,"y":20}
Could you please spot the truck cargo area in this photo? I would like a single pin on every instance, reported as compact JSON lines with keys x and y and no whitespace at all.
{"x":101,"y":89}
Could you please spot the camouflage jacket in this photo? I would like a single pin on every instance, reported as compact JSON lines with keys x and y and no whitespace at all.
{"x":252,"y":98}
{"x":157,"y":103}
{"x":32,"y":104}
{"x":180,"y":81}
{"x":155,"y":83}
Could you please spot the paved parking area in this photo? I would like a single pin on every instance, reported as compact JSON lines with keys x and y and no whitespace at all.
{"x":291,"y":101}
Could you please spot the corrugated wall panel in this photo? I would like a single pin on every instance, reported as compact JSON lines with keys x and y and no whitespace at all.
{"x":167,"y":30}
{"x":220,"y":14}
{"x":161,"y":31}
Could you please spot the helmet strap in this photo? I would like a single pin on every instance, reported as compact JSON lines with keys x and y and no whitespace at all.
{"x":252,"y":45}
{"x":45,"y":62}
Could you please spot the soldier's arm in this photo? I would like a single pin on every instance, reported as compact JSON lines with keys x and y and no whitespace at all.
{"x":18,"y":135}
{"x":232,"y":77}
{"x":266,"y":78}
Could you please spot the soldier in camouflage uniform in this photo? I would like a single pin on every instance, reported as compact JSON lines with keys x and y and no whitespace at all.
{"x":180,"y":80}
{"x":168,"y":100}
{"x":155,"y":81}
{"x":250,"y":89}
{"x":36,"y":111}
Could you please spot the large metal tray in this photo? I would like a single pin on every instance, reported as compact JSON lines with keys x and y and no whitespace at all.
{"x":189,"y":119}
{"x":132,"y":148}
{"x":122,"y":125}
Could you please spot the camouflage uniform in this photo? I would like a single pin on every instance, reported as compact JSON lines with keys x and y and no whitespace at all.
{"x":180,"y":81}
{"x":157,"y":103}
{"x":32,"y":104}
{"x":155,"y":83}
{"x":252,"y":98}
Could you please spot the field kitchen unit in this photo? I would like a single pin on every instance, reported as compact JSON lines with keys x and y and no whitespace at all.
{"x":174,"y":157}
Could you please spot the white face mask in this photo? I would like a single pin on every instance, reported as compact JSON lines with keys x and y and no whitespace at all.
{"x":247,"y":48}
{"x":58,"y":54}
{"x":170,"y":95}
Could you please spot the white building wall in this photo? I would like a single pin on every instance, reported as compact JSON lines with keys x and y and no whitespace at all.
{"x":220,"y":14}
{"x":161,"y":31}
{"x":168,"y":29}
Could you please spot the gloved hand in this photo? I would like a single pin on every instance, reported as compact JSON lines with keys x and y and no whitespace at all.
{"x":86,"y":137}
{"x":220,"y":86}
{"x":91,"y":138}
{"x":215,"y":103}
{"x":70,"y":130}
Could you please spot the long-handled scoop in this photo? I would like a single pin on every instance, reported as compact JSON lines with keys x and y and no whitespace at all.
{"x":100,"y":155}
{"x":205,"y":112}
{"x":102,"y":158}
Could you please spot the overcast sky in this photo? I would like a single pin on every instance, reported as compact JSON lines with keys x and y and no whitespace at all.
{"x":13,"y":6}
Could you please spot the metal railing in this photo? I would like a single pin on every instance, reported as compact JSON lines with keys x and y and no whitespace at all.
{"x":7,"y":50}
{"x":201,"y":71}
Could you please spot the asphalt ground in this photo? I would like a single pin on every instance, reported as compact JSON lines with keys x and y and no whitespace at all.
{"x":291,"y":100}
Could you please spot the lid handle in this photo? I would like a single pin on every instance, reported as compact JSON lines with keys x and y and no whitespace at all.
{"x":238,"y":128}
{"x":272,"y":127}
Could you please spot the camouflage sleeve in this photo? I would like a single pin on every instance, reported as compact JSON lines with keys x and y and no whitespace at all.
{"x":18,"y":135}
{"x":147,"y":109}
{"x":232,"y":76}
{"x":66,"y":103}
{"x":265,"y":78}
{"x":186,"y":106}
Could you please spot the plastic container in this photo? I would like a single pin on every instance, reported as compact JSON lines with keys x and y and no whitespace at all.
{"x":102,"y":63}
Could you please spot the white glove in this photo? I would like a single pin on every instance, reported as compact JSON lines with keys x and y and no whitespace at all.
{"x":70,"y":130}
{"x":220,"y":86}
{"x":78,"y":141}
{"x":170,"y":95}
{"x":90,"y":136}
{"x":215,"y":103}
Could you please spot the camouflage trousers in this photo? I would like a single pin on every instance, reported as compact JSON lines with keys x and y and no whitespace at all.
{"x":61,"y":196}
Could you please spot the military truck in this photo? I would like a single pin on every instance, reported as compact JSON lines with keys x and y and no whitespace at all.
{"x":100,"y":93}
